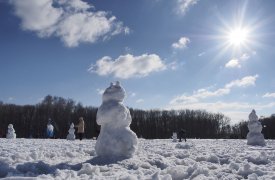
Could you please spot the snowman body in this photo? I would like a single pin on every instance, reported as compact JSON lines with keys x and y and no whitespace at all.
{"x":254,"y":136}
{"x":115,"y":138}
{"x":71,"y":135}
{"x":11,"y":132}
{"x":175,"y":137}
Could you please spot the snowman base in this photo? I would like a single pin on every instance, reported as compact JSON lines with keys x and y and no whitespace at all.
{"x":255,"y":139}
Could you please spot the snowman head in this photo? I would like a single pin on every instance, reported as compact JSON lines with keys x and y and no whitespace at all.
{"x":72,"y":125}
{"x":114,"y":93}
{"x":253,"y":116}
{"x":10,"y":126}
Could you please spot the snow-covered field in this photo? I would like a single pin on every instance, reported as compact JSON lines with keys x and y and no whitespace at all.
{"x":154,"y":159}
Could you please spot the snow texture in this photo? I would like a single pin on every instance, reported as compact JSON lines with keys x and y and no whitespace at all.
{"x":11,"y":132}
{"x":154,"y":159}
{"x":116,"y":139}
{"x":71,"y":135}
{"x":254,"y":136}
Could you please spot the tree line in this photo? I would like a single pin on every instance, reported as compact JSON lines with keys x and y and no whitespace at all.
{"x":30,"y":121}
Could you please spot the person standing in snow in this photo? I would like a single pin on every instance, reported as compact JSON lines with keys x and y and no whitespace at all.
{"x":182,"y":135}
{"x":80,"y":128}
{"x":50,"y":129}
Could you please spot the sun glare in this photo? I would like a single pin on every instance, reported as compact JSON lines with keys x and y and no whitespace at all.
{"x":238,"y":36}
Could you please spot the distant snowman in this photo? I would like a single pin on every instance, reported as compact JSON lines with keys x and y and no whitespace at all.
{"x":116,"y":139}
{"x":71,"y":135}
{"x":175,"y":137}
{"x":11,"y":132}
{"x":255,"y":137}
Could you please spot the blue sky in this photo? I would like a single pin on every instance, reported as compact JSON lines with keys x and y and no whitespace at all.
{"x":215,"y":55}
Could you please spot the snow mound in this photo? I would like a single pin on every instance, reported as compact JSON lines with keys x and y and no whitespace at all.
{"x":183,"y":146}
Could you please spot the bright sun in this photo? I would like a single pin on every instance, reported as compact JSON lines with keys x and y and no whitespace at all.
{"x":237,"y":36}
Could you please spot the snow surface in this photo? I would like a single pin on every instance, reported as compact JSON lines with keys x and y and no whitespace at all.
{"x":254,"y":136}
{"x":115,"y":138}
{"x":11,"y":132}
{"x":71,"y":135}
{"x":154,"y":159}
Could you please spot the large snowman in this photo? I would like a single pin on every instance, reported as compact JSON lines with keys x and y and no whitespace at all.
{"x":116,"y":139}
{"x":255,"y":137}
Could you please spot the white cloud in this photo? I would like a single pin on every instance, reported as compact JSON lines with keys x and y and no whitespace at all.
{"x":184,"y":5}
{"x":198,"y":100}
{"x":203,"y":93}
{"x":201,"y":54}
{"x":233,"y":63}
{"x":132,"y":94}
{"x":182,"y":43}
{"x":173,"y":65}
{"x":73,"y":21}
{"x":140,"y":101}
{"x":244,"y":82}
{"x":100,"y":91}
{"x":244,"y":57}
{"x":267,"y":95}
{"x":236,"y":62}
{"x":128,"y":66}
{"x":235,"y":110}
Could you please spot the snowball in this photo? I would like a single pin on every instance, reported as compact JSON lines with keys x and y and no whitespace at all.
{"x":115,"y":138}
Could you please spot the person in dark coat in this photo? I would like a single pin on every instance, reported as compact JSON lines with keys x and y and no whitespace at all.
{"x":182,"y":135}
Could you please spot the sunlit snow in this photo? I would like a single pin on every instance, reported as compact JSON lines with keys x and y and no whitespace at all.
{"x":154,"y":159}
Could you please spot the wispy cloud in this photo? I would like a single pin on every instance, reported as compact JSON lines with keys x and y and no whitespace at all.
{"x":198,"y":100}
{"x":140,"y":101}
{"x":269,"y":95}
{"x":201,"y":54}
{"x":11,"y":98}
{"x":244,"y":82}
{"x":182,"y":43}
{"x":244,"y":57}
{"x":132,"y":94}
{"x":233,"y":63}
{"x":184,"y":5}
{"x":128,"y":66}
{"x":73,"y":21}
{"x":235,"y":110}
{"x":236,"y":62}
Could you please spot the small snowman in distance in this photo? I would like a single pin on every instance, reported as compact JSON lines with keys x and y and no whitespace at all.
{"x":11,"y":132}
{"x":254,"y":136}
{"x":71,"y":135}
{"x":175,"y":137}
{"x":116,"y":139}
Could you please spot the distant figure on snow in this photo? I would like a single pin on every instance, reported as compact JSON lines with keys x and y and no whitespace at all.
{"x":80,"y":128}
{"x":182,"y":135}
{"x":11,"y":132}
{"x":50,"y":129}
